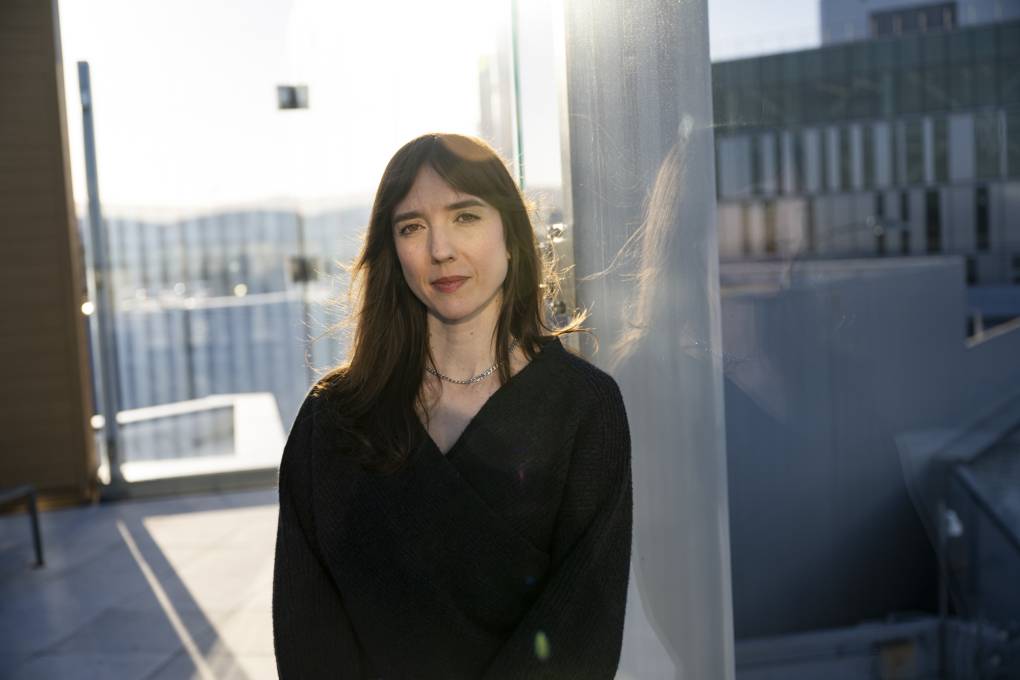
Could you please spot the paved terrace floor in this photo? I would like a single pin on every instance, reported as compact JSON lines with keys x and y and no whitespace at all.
{"x":159,"y":589}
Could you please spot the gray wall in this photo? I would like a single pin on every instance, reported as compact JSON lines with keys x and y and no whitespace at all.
{"x":822,"y":374}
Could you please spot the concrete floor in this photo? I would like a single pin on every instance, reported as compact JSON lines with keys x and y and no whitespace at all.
{"x":171,"y":588}
{"x":175,"y":588}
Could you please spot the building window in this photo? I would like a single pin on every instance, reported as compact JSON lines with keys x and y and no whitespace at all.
{"x":961,"y":57}
{"x":845,"y":159}
{"x":1016,"y":268}
{"x":905,"y":208}
{"x":809,"y":225}
{"x":879,"y":223}
{"x":933,"y":221}
{"x":770,"y":227}
{"x":910,"y":90}
{"x":914,"y":142}
{"x":867,"y":156}
{"x":940,"y":144}
{"x":718,"y":170}
{"x":756,"y":165}
{"x":981,"y":218}
{"x":1013,"y":142}
{"x":986,"y":144}
{"x":940,"y":17}
{"x":776,"y":144}
{"x":983,"y":89}
{"x":771,"y":154}
{"x":895,"y":169}
{"x":745,"y":229}
{"x":972,"y":274}
{"x":799,"y":173}
{"x":823,"y":159}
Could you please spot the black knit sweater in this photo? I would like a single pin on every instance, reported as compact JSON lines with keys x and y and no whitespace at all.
{"x":506,"y":558}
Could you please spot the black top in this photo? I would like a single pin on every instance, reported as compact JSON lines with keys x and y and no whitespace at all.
{"x":506,"y":558}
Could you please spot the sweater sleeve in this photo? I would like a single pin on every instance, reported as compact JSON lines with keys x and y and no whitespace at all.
{"x":312,"y":634}
{"x":574,"y":628}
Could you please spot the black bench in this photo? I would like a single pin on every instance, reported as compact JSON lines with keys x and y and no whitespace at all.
{"x":26,"y":492}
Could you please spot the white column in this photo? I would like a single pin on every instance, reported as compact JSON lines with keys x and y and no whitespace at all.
{"x":642,"y":189}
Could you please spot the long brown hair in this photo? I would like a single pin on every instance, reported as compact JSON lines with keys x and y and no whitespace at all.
{"x":372,"y":398}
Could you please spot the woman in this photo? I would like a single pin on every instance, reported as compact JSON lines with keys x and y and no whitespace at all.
{"x":455,"y":501}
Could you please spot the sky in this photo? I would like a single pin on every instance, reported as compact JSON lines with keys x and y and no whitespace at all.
{"x":185,"y":109}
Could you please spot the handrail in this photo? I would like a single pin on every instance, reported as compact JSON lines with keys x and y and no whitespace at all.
{"x":966,"y":480}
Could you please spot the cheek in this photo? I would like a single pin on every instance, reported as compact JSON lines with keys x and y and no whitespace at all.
{"x":406,"y":260}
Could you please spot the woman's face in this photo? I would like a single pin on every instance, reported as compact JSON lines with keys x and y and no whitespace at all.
{"x":451,"y":249}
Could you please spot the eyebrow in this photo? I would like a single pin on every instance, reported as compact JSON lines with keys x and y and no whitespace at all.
{"x":414,"y":214}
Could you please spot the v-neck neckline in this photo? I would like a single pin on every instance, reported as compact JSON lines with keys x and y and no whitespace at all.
{"x":487,"y":404}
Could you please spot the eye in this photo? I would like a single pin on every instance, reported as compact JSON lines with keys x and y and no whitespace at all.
{"x":467,"y":217}
{"x":407,"y":228}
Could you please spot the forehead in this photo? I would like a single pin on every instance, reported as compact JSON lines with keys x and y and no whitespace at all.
{"x":429,"y":192}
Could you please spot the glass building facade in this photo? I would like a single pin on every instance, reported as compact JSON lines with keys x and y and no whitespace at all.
{"x":927,"y":126}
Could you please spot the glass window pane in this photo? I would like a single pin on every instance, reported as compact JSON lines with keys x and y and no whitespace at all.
{"x":940,"y":139}
{"x":910,"y":91}
{"x":793,"y":112}
{"x":837,"y":103}
{"x":864,"y":100}
{"x":845,"y":158}
{"x":861,"y":55}
{"x":1009,"y":83}
{"x":961,"y":92}
{"x":914,"y":144}
{"x":985,"y":43}
{"x":888,"y":102}
{"x":961,"y":46}
{"x":935,"y":48}
{"x":909,"y":51}
{"x":936,"y":88}
{"x":227,"y":302}
{"x":986,"y":144}
{"x":835,"y":60}
{"x":1009,"y":40}
{"x":985,"y":84}
{"x":884,"y":54}
{"x":792,"y":69}
{"x":867,"y":155}
{"x":1013,"y":142}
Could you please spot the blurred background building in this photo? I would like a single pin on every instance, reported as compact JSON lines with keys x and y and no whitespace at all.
{"x":903,"y":144}
{"x":850,"y":20}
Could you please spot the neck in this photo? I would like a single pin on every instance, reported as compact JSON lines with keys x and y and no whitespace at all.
{"x":463,"y":350}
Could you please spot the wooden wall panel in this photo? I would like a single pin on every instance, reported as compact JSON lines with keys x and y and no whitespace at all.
{"x":45,"y":393}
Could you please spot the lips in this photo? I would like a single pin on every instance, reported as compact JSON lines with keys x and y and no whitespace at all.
{"x":448,"y":284}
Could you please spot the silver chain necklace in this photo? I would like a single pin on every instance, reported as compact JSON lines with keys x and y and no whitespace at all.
{"x":474,"y":379}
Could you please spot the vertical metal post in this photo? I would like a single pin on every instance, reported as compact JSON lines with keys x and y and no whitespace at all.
{"x":105,"y":309}
{"x":33,"y":512}
{"x":516,"y":71}
{"x":304,"y":271}
{"x":943,"y":559}
{"x":642,"y":185}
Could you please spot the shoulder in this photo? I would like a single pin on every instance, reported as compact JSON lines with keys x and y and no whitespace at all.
{"x":298,"y":447}
{"x":590,"y":387}
{"x":582,"y":374}
{"x":304,"y":422}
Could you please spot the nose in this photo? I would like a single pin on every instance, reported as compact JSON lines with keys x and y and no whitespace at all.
{"x":440,"y":244}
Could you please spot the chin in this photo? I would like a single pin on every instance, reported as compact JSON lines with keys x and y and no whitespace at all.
{"x":454,"y":313}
